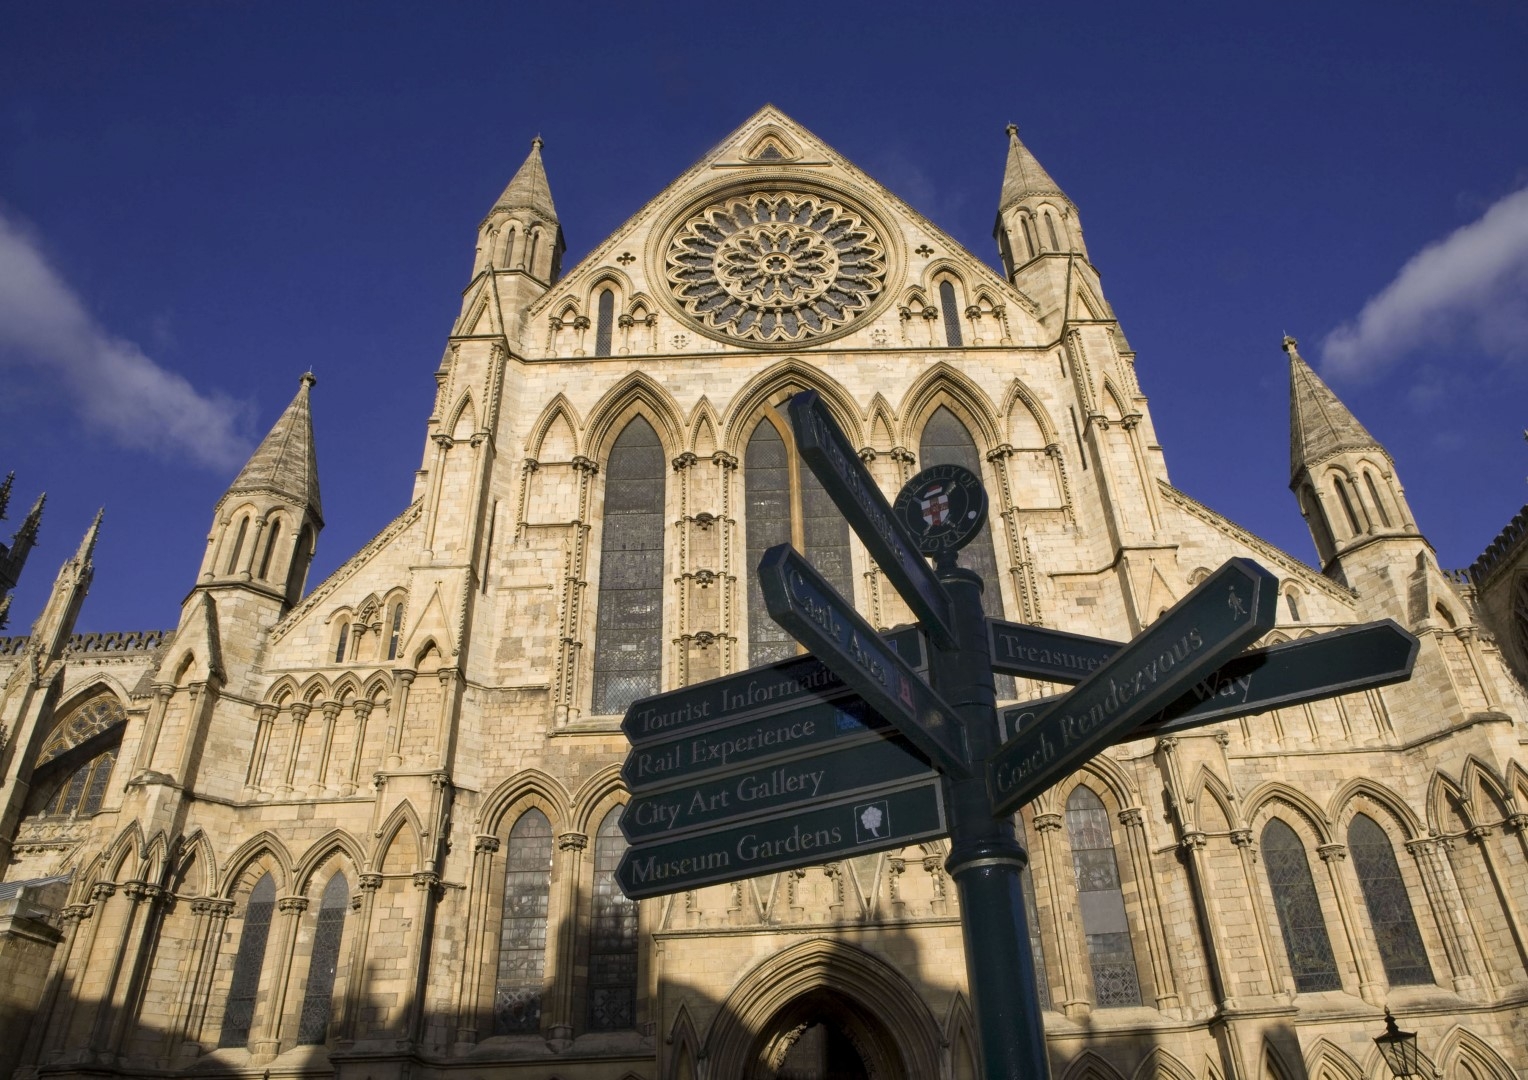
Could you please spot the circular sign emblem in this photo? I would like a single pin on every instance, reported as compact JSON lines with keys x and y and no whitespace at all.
{"x":943,"y":508}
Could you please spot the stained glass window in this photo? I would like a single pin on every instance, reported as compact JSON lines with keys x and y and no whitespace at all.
{"x":240,"y":1011}
{"x":82,"y":791}
{"x":522,"y":935}
{"x":628,"y":656}
{"x":1395,"y":926}
{"x":947,"y":442}
{"x":1110,"y":953}
{"x":949,"y":311}
{"x":612,"y":936}
{"x":1032,"y":915}
{"x":604,"y":321}
{"x":318,"y":996}
{"x":822,"y":536}
{"x":1300,"y":918}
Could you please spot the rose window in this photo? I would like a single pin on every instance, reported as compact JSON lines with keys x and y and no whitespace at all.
{"x":776,"y":267}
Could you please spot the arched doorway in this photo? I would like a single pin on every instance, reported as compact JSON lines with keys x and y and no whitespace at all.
{"x":822,"y":1035}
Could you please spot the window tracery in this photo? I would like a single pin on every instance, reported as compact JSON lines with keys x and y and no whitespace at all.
{"x":1390,"y":913}
{"x":1096,"y":871}
{"x":1301,"y":920}
{"x":628,"y":655}
{"x":522,"y":934}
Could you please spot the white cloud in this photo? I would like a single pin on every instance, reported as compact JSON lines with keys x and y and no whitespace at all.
{"x":115,"y":387}
{"x":1470,"y":288}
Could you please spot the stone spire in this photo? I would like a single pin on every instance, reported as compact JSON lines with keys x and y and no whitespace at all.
{"x":1023,"y":176}
{"x":13,"y":557}
{"x":285,"y":464}
{"x":1320,"y":425}
{"x":528,"y":188}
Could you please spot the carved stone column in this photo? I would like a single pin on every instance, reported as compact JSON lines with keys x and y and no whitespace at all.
{"x":469,"y":990}
{"x":58,"y":1043}
{"x":362,"y":710}
{"x":265,"y":1041}
{"x":1467,"y":966}
{"x":562,"y":938}
{"x":300,"y":712}
{"x":1481,"y":834}
{"x":320,"y":784}
{"x":396,"y":712}
{"x":152,"y":723}
{"x":1247,"y":849}
{"x":1072,"y":999}
{"x":1163,"y":975}
{"x":427,"y":890}
{"x":265,"y":718}
{"x":72,"y":916}
{"x":359,"y":949}
{"x":1334,"y":855}
{"x":111,"y":1001}
{"x":196,"y":990}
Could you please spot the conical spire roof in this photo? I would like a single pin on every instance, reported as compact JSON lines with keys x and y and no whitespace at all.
{"x":1024,"y":176}
{"x":528,"y":188}
{"x":1320,"y":425}
{"x":285,"y":464}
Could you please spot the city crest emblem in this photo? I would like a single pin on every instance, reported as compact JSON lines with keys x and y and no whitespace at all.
{"x":942,"y":508}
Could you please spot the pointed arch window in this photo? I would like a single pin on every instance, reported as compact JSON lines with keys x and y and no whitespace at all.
{"x":522,"y":935}
{"x":604,"y":322}
{"x":946,"y":441}
{"x":395,"y":629}
{"x":297,"y":573}
{"x":1029,"y":236}
{"x":1347,"y":505}
{"x":318,"y":995}
{"x":1379,"y":504}
{"x":949,"y":311}
{"x":786,"y":504}
{"x":1050,"y":228}
{"x":628,"y":656}
{"x":1110,"y":953}
{"x":612,"y":936}
{"x":342,"y":642}
{"x":248,"y":962}
{"x":1390,"y":914}
{"x":238,"y":546}
{"x":270,"y":549}
{"x":1300,"y":917}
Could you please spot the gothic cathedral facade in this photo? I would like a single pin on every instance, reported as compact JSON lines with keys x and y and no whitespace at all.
{"x":368,"y":828}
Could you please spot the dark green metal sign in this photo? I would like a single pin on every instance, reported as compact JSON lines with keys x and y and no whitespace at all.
{"x":1224,"y":614}
{"x":788,"y":784}
{"x":801,"y":601}
{"x":861,"y":825}
{"x":1290,"y":673}
{"x":1034,"y":652}
{"x":854,"y":491}
{"x":759,"y":691}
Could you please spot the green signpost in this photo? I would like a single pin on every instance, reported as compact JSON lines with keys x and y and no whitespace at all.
{"x":850,"y":751}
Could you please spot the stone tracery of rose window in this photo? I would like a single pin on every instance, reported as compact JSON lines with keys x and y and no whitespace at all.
{"x":776,"y":267}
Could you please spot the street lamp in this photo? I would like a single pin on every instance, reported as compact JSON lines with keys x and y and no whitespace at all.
{"x":1399,"y":1048}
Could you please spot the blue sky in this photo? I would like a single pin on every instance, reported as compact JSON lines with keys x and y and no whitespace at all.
{"x":198,"y":202}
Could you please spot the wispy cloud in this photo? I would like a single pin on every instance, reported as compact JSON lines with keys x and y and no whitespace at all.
{"x":1469,"y":289}
{"x":111,"y":382}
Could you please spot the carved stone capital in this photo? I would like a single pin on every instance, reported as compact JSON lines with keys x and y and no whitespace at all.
{"x":1330,"y":852}
{"x":1480,"y":832}
{"x":486,"y":845}
{"x":212,"y":907}
{"x":934,"y":864}
{"x":370,"y":882}
{"x":75,"y":912}
{"x":440,"y":779}
{"x":265,"y":714}
{"x":1223,"y":738}
{"x":103,"y":890}
{"x":300,"y":711}
{"x":625,"y":322}
{"x":586,"y":465}
{"x":1516,"y":823}
{"x":1000,"y":451}
{"x":405,"y":676}
{"x":530,"y":465}
{"x":572,"y":841}
{"x":1047,"y":822}
{"x":1131,"y":817}
{"x":684,"y":461}
{"x":331,"y":710}
{"x":903,"y":454}
{"x":1242,"y":838}
{"x":1194,"y":841}
{"x":724,"y":459}
{"x":442,"y":440}
{"x":292,"y":905}
{"x":1168,"y":744}
{"x":867,"y":453}
{"x":426,"y":880}
{"x":362,"y":708}
{"x":137,"y":891}
{"x":581,"y":322}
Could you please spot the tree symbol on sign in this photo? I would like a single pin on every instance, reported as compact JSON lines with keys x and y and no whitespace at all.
{"x":871,"y":819}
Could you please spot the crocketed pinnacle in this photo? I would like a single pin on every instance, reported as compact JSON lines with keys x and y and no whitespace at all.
{"x":1024,"y":177}
{"x":285,"y":464}
{"x":528,"y":189}
{"x":1320,"y":425}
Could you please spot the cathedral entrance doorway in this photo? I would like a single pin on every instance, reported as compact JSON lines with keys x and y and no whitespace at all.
{"x":823,"y":1035}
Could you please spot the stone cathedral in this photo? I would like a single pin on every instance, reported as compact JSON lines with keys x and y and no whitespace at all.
{"x":366,"y":827}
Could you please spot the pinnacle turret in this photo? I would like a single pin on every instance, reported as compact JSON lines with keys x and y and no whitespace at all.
{"x":1024,"y":177}
{"x":13,"y":557}
{"x":1320,"y":425}
{"x":285,"y":464}
{"x":528,"y":188}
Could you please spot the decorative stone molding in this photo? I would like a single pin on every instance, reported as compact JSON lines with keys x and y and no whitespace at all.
{"x":292,"y":905}
{"x":486,"y":845}
{"x":1332,"y":852}
{"x":572,"y":841}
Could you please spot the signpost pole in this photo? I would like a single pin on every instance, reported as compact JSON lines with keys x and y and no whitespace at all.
{"x":986,"y":859}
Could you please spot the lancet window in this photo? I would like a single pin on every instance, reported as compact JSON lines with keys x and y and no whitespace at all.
{"x":522,"y":934}
{"x":786,"y":504}
{"x":1110,"y":953}
{"x":342,"y":642}
{"x":612,"y":936}
{"x":270,"y":549}
{"x":628,"y":656}
{"x":395,"y":630}
{"x":318,"y":995}
{"x":1300,"y":918}
{"x":604,"y":322}
{"x":238,"y":546}
{"x":1390,"y":914}
{"x":239,"y":1014}
{"x":947,"y":442}
{"x":949,"y":311}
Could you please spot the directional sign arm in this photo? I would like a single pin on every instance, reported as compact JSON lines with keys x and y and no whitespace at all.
{"x":824,"y":447}
{"x":1035,"y":652}
{"x":801,"y":601}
